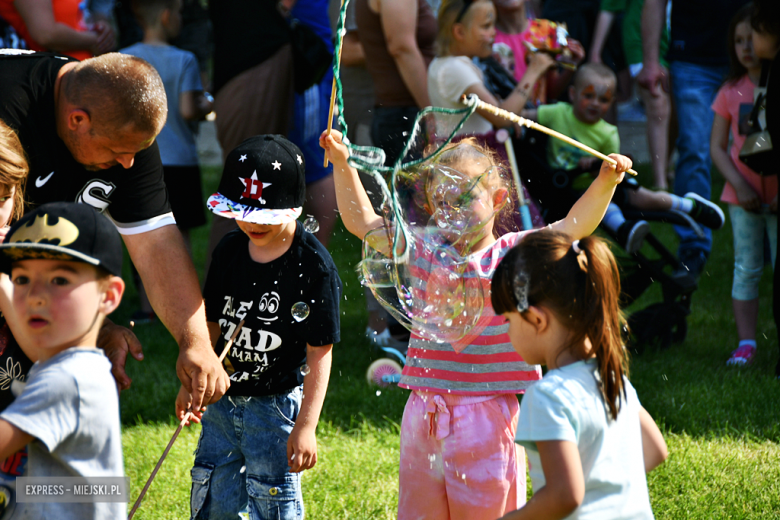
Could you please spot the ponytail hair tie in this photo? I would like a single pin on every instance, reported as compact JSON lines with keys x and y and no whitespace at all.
{"x":576,"y":246}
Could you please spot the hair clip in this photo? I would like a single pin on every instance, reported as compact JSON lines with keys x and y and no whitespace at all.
{"x":576,"y":246}
{"x":521,"y":286}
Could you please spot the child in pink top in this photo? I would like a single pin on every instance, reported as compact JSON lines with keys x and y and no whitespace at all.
{"x":752,"y":199}
{"x":511,"y":23}
{"x":458,"y":458}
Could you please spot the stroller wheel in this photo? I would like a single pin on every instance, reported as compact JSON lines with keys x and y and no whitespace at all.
{"x":382,"y":367}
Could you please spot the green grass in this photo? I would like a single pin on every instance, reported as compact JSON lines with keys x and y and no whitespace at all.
{"x":722,"y":425}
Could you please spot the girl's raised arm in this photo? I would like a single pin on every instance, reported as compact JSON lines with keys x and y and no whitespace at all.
{"x":586,"y":214}
{"x":354,"y":205}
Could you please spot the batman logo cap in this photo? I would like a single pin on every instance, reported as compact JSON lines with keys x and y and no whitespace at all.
{"x":64,"y":231}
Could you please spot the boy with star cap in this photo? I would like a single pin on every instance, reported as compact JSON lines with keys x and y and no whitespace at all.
{"x":64,"y":260}
{"x":277,"y":280}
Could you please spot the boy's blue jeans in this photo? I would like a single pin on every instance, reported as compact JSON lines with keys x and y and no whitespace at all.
{"x":241,"y":460}
{"x":694,"y":88}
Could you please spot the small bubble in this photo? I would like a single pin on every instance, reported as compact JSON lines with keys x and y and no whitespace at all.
{"x":243,"y":469}
{"x":300,"y":311}
{"x":311,"y":225}
{"x":378,"y":393}
{"x":305,"y":370}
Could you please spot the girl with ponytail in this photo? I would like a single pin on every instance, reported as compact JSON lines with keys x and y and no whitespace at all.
{"x":588,"y":439}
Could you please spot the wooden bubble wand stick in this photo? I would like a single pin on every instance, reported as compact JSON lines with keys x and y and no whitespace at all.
{"x":472,"y":100}
{"x":187,"y":417}
{"x":333,"y":87}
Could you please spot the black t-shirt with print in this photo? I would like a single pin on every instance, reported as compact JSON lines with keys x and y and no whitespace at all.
{"x":134,"y":198}
{"x":270,"y":349}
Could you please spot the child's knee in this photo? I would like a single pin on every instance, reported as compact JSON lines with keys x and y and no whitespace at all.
{"x":746,"y":282}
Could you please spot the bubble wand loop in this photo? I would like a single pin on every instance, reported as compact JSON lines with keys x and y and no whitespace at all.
{"x":186,"y":418}
{"x":333,"y":87}
{"x":472,"y":100}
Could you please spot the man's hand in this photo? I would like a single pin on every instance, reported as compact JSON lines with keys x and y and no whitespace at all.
{"x":116,"y":341}
{"x":301,"y":449}
{"x":652,"y":76}
{"x":202,"y":375}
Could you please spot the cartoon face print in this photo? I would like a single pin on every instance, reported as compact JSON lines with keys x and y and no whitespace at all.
{"x":268,"y":305}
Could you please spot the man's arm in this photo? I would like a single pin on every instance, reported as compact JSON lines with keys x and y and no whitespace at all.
{"x":653,"y":74}
{"x":172,"y":286}
{"x":302,"y":443}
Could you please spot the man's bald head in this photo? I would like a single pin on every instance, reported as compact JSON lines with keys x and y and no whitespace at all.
{"x":118,"y":92}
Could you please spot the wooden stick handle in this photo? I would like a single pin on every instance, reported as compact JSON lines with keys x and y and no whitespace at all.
{"x":333,"y":89}
{"x":473,"y":99}
{"x":184,"y":420}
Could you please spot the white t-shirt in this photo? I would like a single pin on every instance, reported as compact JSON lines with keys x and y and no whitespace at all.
{"x":448,"y":79}
{"x":567,"y":405}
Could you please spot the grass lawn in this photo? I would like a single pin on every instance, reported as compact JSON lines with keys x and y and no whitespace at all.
{"x":722,"y":425}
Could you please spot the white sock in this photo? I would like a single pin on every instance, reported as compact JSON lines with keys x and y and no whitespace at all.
{"x":750,"y":342}
{"x":681,"y":204}
{"x":613,"y":218}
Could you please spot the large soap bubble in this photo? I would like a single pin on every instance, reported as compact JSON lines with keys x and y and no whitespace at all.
{"x":439,"y":204}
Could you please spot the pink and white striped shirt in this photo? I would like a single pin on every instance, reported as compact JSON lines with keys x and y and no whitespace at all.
{"x":488,"y":365}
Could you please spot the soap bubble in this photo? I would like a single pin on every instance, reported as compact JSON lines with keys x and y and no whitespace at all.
{"x":437,"y":209}
{"x":305,"y":370}
{"x":300,"y":311}
{"x":311,"y":225}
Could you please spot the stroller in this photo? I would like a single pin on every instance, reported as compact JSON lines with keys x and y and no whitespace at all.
{"x":659,"y":324}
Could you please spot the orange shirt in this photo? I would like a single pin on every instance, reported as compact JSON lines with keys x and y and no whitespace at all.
{"x":67,"y":12}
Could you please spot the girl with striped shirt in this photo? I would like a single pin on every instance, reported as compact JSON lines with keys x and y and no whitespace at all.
{"x":458,"y":456}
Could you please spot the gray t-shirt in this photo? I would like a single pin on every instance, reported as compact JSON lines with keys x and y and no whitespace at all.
{"x":71,"y":406}
{"x":180,"y":73}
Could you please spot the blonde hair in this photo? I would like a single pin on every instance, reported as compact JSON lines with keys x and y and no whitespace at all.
{"x":465,"y":151}
{"x":13,"y":168}
{"x":449,"y":12}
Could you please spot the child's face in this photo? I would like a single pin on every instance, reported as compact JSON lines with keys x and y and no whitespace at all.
{"x":56,"y":305}
{"x":6,"y":205}
{"x":743,"y":45}
{"x":478,"y":33}
{"x":592,"y":99}
{"x":266,"y":235}
{"x":765,"y":45}
{"x":460,"y":197}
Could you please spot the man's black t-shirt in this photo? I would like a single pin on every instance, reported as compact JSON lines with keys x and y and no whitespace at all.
{"x":270,"y":349}
{"x":700,"y":29}
{"x":135,"y":198}
{"x":246,"y":33}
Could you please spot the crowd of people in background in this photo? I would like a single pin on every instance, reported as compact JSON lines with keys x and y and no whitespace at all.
{"x":106,"y":113}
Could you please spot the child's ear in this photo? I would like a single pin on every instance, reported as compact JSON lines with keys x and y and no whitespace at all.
{"x":458,"y":31}
{"x":538,"y":318}
{"x":500,"y":198}
{"x":113,"y":288}
{"x":165,"y":17}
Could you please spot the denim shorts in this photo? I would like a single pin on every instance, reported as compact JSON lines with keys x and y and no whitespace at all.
{"x":241,"y":460}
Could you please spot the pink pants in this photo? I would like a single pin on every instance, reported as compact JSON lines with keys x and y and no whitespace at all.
{"x":459,"y":459}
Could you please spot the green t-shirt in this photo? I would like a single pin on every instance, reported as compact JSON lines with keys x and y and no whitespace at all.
{"x":601,"y":136}
{"x":632,"y":29}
